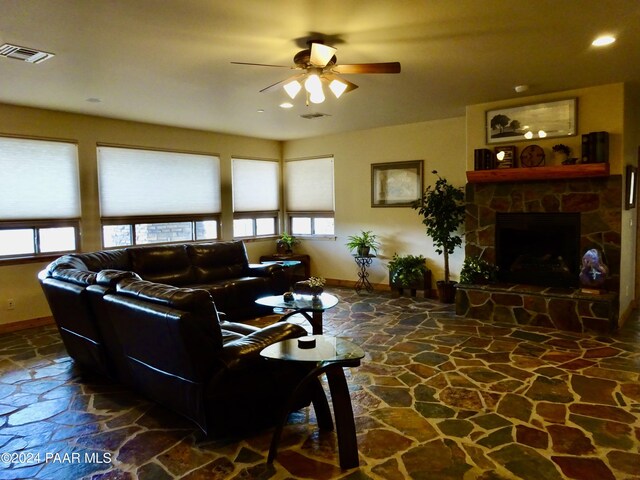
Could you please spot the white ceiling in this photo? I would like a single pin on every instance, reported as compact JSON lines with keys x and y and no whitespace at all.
{"x":168,"y":61}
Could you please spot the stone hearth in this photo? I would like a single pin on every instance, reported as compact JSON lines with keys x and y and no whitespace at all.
{"x":598,"y":200}
{"x":561,"y":308}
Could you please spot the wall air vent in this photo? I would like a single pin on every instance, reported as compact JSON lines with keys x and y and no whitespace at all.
{"x":311,"y":116}
{"x":24,"y":54}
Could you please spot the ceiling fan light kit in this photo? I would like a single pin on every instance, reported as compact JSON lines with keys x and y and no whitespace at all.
{"x":319,"y":65}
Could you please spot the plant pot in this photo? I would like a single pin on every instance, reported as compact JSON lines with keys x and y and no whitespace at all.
{"x":364,"y":251}
{"x":281,"y":248}
{"x":446,"y":291}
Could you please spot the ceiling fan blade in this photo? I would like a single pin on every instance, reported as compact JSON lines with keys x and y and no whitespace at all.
{"x":390,"y":67}
{"x":350,"y":86}
{"x":263,"y":65}
{"x":321,"y":54}
{"x":294,"y":77}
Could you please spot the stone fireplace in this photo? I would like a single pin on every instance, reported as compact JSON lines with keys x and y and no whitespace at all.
{"x":585,"y":213}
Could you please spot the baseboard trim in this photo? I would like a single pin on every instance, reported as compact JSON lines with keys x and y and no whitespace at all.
{"x":334,"y":282}
{"x":25,"y":324}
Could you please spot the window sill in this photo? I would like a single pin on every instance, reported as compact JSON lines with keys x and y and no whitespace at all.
{"x":34,"y":259}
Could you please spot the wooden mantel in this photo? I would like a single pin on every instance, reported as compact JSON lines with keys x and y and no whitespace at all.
{"x":526,"y":174}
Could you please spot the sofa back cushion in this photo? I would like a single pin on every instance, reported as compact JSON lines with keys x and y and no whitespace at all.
{"x":218,"y":261}
{"x":105,"y":259}
{"x":204,"y":324}
{"x":165,"y":264}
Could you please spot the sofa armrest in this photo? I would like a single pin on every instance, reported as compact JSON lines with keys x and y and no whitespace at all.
{"x":246,"y":351}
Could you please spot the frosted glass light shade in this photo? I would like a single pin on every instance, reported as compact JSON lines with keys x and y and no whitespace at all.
{"x":292,"y":88}
{"x":337,"y":87}
{"x":313,"y":84}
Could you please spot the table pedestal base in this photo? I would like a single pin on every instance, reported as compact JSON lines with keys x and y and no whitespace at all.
{"x":344,"y":421}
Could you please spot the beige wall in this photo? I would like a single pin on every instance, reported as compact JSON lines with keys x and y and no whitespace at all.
{"x":441,"y":144}
{"x":599,"y":109}
{"x":19,"y":281}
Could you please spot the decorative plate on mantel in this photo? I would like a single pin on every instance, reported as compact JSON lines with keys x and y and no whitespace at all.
{"x":532,"y":156}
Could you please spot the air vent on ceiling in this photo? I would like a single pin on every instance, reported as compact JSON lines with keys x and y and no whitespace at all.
{"x":311,"y":116}
{"x":25,"y":54}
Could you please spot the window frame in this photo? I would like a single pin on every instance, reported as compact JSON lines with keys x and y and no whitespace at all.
{"x":254,"y":216}
{"x":36,"y":226}
{"x":305,"y":212}
{"x":133,"y":221}
{"x":312,"y":216}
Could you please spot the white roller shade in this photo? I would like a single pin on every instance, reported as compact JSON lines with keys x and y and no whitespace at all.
{"x":309,"y":185}
{"x":39,"y":180}
{"x":145,"y":182}
{"x":255,"y":185}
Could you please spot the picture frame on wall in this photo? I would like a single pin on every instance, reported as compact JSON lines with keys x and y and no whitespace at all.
{"x":528,"y":122}
{"x":505,"y":156}
{"x":631,"y":186}
{"x":396,"y":184}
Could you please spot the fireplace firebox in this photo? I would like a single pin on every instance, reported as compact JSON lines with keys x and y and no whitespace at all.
{"x":538,"y":248}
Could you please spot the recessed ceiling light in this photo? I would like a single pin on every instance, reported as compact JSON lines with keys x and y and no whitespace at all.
{"x":286,"y":105}
{"x":604,"y":40}
{"x":260,"y":110}
{"x":521,"y":88}
{"x":93,"y":100}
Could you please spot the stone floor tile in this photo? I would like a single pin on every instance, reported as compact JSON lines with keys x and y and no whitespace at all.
{"x":436,"y":397}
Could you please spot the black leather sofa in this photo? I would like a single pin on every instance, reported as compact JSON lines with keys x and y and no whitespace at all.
{"x":118,"y":316}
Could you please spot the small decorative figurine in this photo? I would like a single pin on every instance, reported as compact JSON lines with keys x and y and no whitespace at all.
{"x":593,"y":272}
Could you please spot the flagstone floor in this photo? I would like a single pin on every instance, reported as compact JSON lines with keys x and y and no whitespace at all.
{"x":436,"y":397}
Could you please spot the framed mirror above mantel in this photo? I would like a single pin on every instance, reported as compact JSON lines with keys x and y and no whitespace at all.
{"x":555,"y":172}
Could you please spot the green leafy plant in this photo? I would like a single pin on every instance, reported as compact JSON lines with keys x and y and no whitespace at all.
{"x":477,"y":270}
{"x":316,"y":281}
{"x":562,"y":149}
{"x":406,"y":270}
{"x":443,"y":210}
{"x":287,"y":242}
{"x":363,"y":243}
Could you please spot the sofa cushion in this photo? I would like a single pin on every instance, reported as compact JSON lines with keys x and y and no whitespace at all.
{"x":165,"y":264}
{"x":218,"y":261}
{"x":111,"y":259}
{"x":73,"y":275}
{"x":110,"y":278}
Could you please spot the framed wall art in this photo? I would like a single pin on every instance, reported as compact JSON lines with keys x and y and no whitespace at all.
{"x":541,"y":120}
{"x":505,"y":156}
{"x":396,"y":184}
{"x":631,"y":187}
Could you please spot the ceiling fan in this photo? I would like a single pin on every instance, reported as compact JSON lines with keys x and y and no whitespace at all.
{"x":319,"y":65}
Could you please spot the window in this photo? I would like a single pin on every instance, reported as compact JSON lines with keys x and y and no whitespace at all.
{"x":149,"y":196}
{"x":310,"y":197}
{"x":39,"y":198}
{"x":255,"y":197}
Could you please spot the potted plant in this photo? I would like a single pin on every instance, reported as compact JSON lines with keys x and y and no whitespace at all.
{"x":285,"y":243}
{"x":477,"y":270}
{"x":364,"y":244}
{"x":443,"y":210}
{"x":409,"y":271}
{"x":561,"y":152}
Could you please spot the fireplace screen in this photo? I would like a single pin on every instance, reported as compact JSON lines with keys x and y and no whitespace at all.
{"x":538,"y":248}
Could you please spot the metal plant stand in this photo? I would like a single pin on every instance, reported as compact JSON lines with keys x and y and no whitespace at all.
{"x":363,"y":262}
